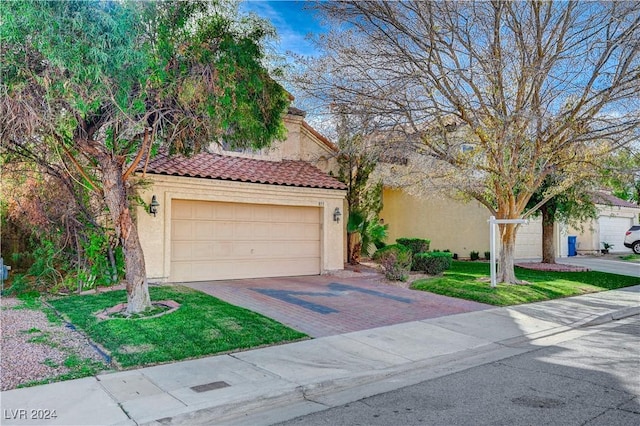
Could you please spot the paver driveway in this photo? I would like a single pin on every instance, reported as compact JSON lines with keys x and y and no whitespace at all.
{"x":327,"y":305}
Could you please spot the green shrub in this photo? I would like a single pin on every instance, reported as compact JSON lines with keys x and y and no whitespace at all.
{"x":487,"y":255}
{"x":416,"y":245}
{"x":395,"y":260}
{"x":474,"y":255}
{"x":432,"y":263}
{"x":391,"y":247}
{"x":99,"y":270}
{"x":49,"y":266}
{"x":17,"y":284}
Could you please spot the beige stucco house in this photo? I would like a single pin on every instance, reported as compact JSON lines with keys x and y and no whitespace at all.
{"x":229,"y":215}
{"x":450,"y":224}
{"x":462,"y":226}
{"x":615,"y":217}
{"x":416,"y":203}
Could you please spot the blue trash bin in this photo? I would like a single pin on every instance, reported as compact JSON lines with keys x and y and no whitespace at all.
{"x":572,"y":245}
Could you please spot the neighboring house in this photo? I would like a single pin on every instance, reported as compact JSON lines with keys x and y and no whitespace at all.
{"x":615,"y":217}
{"x":415,"y":204}
{"x":458,"y":226}
{"x":462,"y":226}
{"x":229,"y":215}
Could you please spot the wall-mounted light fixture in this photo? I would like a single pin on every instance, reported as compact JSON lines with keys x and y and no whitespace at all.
{"x":336,"y":215}
{"x":153,"y":207}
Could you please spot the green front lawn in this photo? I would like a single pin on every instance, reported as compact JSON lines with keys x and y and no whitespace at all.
{"x":462,"y":281}
{"x":203,"y":325}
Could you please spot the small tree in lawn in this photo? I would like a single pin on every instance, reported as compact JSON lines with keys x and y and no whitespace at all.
{"x":498,"y":95}
{"x":105,"y":81}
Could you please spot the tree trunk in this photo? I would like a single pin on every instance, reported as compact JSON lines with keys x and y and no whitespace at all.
{"x":353,"y":248}
{"x":112,"y":262}
{"x":507,"y":274}
{"x":548,"y":247}
{"x":115,"y":195}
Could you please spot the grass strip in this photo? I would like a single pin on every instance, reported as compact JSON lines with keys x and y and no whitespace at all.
{"x":630,"y":257}
{"x":461,"y":281}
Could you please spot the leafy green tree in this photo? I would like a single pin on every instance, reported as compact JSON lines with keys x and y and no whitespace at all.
{"x":622,"y":173}
{"x":573,"y":206}
{"x":106,"y":81}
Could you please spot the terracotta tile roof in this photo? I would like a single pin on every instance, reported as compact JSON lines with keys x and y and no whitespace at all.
{"x":611,"y":200}
{"x":215,"y":166}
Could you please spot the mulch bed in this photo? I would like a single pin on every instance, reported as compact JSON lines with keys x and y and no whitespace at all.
{"x":552,"y":267}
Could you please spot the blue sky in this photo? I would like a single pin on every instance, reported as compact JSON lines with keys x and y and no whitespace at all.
{"x":292,"y":23}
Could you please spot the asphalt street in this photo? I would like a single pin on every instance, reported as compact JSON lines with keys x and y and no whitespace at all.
{"x":591,"y":380}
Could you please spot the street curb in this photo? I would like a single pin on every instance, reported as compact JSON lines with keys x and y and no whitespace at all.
{"x":215,"y":414}
{"x":315,"y":392}
{"x":338,"y":391}
{"x":612,"y":316}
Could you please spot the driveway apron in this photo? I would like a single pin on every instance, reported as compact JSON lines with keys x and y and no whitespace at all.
{"x":327,"y":305}
{"x":603,"y":264}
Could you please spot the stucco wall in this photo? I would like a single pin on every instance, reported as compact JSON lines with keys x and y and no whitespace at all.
{"x":302,"y":143}
{"x":155,"y":232}
{"x":459,"y":227}
{"x":587,"y":241}
{"x":450,"y":224}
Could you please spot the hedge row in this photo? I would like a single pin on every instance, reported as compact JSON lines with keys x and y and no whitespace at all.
{"x":432,"y":263}
{"x":411,"y":254}
{"x":416,"y":245}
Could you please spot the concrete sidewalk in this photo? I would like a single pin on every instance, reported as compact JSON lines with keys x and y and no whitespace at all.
{"x":252,"y":387}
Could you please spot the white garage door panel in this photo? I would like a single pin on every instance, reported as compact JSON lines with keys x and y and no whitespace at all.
{"x":211,"y":240}
{"x":612,"y":230}
{"x":186,"y":251}
{"x":184,"y":230}
{"x":529,"y":240}
{"x":202,"y":271}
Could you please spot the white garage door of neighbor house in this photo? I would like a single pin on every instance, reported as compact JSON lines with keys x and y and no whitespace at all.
{"x":215,"y":240}
{"x":612,"y":230}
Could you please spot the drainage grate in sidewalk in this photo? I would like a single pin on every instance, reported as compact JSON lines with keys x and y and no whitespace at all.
{"x":210,"y":386}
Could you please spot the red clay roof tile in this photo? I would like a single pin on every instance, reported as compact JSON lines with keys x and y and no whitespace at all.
{"x":215,"y":166}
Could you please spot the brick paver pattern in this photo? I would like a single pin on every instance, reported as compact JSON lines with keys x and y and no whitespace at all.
{"x":326,"y":305}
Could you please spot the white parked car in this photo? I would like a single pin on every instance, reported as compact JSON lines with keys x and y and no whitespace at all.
{"x":632,"y":239}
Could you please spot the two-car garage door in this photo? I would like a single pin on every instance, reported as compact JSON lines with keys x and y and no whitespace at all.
{"x":216,"y":240}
